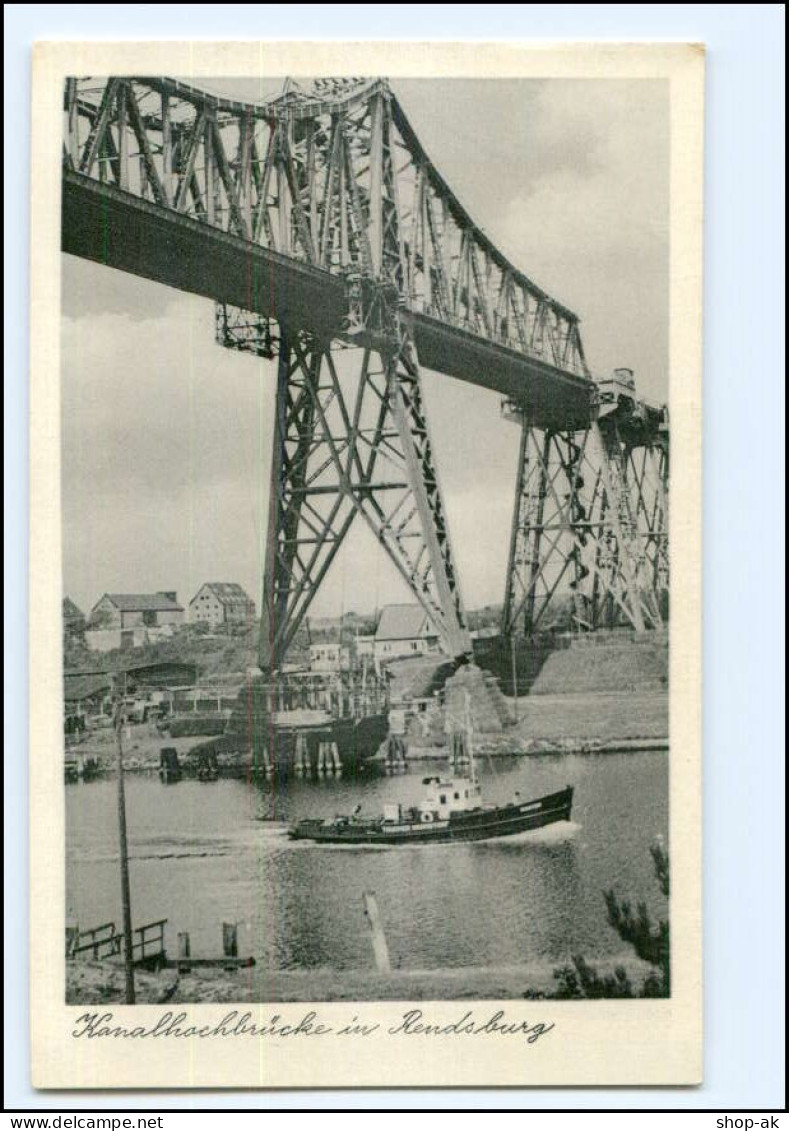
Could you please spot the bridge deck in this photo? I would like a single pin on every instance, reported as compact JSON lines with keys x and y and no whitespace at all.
{"x":104,"y":224}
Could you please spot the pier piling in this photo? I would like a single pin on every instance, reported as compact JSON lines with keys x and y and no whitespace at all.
{"x":230,"y":940}
{"x":266,"y":761}
{"x":300,"y":755}
{"x":72,"y":936}
{"x":184,"y":951}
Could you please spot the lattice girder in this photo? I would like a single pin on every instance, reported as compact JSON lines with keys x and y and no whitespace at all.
{"x":351,"y":439}
{"x":591,"y":521}
{"x":332,"y":176}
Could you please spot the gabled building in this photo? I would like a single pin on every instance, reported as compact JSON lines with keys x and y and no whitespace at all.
{"x":128,"y":620}
{"x":87,"y":693}
{"x":404,"y":630}
{"x":145,"y":685}
{"x":133,"y":610}
{"x":222,"y":604}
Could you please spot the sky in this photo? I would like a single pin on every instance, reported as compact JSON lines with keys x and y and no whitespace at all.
{"x":166,"y":436}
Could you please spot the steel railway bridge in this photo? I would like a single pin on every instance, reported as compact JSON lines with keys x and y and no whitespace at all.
{"x":327,"y":239}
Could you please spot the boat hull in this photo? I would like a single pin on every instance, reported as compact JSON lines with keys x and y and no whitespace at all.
{"x":474,"y":825}
{"x":356,"y":741}
{"x":262,"y":748}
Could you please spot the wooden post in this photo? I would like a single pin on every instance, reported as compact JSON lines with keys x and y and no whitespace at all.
{"x":230,"y":940}
{"x":298,"y":758}
{"x":514,"y":675}
{"x":72,"y":936}
{"x":124,"y":854}
{"x":380,"y":949}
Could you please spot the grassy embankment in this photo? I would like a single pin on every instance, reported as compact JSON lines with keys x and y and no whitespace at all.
{"x":590,"y":693}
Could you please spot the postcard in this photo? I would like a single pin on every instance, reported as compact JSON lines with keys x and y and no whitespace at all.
{"x":365,"y":564}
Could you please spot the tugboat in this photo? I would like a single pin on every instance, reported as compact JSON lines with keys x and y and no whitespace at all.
{"x":305,"y":722}
{"x":451,"y":811}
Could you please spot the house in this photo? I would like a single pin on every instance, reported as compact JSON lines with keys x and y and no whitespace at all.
{"x":86,"y":693}
{"x":222,"y":604}
{"x":73,"y":620}
{"x":136,"y":610}
{"x":129,"y":620}
{"x":404,"y":630}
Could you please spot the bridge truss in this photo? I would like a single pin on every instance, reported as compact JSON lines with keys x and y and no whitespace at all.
{"x":330,"y":241}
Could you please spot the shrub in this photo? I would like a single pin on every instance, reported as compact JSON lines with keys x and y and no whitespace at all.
{"x":650,"y":941}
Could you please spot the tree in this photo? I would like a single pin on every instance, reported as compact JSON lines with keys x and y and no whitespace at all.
{"x":650,"y":941}
{"x":100,"y":618}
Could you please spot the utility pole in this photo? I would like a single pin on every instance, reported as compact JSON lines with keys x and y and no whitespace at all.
{"x":124,"y":848}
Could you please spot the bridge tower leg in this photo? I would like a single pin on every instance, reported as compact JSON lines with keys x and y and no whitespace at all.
{"x":351,"y":439}
{"x":648,"y":477}
{"x":589,"y":529}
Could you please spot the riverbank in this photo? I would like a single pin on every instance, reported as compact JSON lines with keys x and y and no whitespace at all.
{"x":102,"y":983}
{"x":585,"y":723}
{"x":142,"y":745}
{"x":601,"y":717}
{"x":504,"y":747}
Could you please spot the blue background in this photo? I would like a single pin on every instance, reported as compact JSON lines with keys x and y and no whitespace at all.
{"x":743,"y":517}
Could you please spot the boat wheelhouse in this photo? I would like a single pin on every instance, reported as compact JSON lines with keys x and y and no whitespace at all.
{"x":451,"y":810}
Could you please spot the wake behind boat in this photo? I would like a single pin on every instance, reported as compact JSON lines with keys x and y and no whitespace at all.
{"x":452,"y":810}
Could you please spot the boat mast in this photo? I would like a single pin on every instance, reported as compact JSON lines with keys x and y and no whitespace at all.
{"x":469,"y":735}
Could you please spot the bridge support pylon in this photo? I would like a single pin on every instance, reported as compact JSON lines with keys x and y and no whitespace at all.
{"x":351,"y":439}
{"x":590,"y":527}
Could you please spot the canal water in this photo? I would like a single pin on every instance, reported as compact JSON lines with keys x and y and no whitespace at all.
{"x":202,"y":854}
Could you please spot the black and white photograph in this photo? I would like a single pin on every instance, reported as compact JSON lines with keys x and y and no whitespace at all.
{"x":367,"y":645}
{"x":366,"y":566}
{"x":394,"y":558}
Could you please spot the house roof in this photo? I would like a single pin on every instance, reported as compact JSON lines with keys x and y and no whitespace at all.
{"x":71,"y":610}
{"x":227,"y":592}
{"x":143,"y":602}
{"x":402,"y":622}
{"x":162,"y":673}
